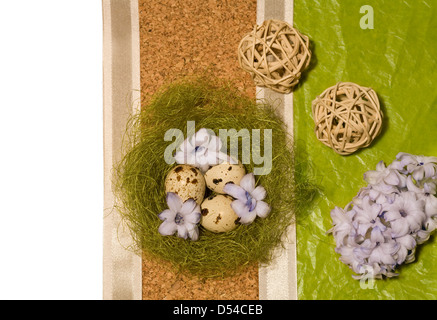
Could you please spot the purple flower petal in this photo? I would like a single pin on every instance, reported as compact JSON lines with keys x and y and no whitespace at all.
{"x":262,"y":209}
{"x":193,"y":217}
{"x":201,"y":137}
{"x":379,"y":256}
{"x":396,"y":165}
{"x":248,"y":182}
{"x":235,"y":191}
{"x":401,"y":155}
{"x":429,"y":169}
{"x":194,"y":233}
{"x":430,"y":206}
{"x":418,"y":174}
{"x":338,"y":216}
{"x":188,"y":207}
{"x":212,"y":157}
{"x":182,"y":231}
{"x":167,"y":228}
{"x":392,"y":215}
{"x":362,"y":252}
{"x":180,"y":157}
{"x":399,"y":228}
{"x":411,"y":186}
{"x":242,"y":211}
{"x":429,"y":188}
{"x":390,"y":248}
{"x":174,"y":202}
{"x":186,"y":147}
{"x":422,"y":236}
{"x":362,"y":228}
{"x":392,"y":178}
{"x":167,"y":214}
{"x":248,"y":218}
{"x":240,"y":208}
{"x":259,"y":193}
{"x":347,"y":254}
{"x":380,"y":166}
{"x":372,"y":176}
{"x":376,"y":235}
{"x":401,"y":255}
{"x":407,"y":241}
{"x":214,"y":144}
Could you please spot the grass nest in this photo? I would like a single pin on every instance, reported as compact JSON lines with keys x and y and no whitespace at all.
{"x":138,"y":179}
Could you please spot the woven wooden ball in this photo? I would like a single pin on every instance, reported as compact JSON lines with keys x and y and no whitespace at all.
{"x":347,"y":117}
{"x":274,"y":54}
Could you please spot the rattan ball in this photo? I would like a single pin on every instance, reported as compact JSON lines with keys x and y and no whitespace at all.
{"x":274,"y":54}
{"x":347,"y":117}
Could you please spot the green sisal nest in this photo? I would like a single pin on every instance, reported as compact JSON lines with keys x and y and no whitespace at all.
{"x":139,"y":177}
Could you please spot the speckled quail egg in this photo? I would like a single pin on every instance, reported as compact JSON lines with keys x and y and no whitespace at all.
{"x":187,"y":182}
{"x":218,"y":176}
{"x":217,"y":214}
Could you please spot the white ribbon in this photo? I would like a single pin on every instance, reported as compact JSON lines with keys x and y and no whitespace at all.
{"x":121,"y":70}
{"x":278,"y":280}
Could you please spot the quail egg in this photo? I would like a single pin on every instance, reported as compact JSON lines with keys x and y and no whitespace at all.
{"x":218,"y":176}
{"x":187,"y":182}
{"x":217,"y":214}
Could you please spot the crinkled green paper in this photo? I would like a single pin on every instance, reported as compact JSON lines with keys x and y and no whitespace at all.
{"x":398,"y":59}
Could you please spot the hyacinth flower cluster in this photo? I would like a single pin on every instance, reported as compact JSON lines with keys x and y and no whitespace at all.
{"x":381,"y":227}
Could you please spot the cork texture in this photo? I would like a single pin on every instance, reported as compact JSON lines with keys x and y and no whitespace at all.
{"x":184,"y":38}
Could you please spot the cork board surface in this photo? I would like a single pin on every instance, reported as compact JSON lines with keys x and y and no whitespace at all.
{"x":180,"y":38}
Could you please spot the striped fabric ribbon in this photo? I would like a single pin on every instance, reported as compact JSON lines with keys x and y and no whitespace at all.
{"x":121,"y":73}
{"x":277,"y":281}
